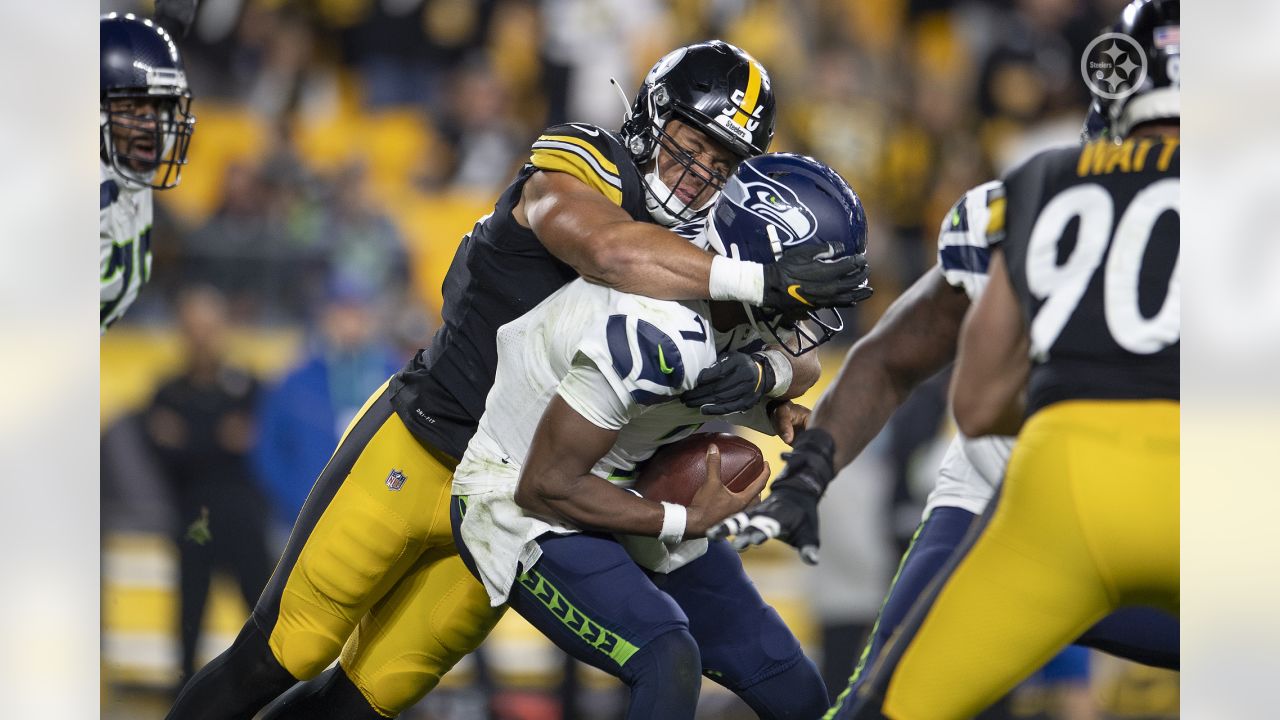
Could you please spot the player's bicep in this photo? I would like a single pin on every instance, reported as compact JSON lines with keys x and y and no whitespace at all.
{"x":567,"y":216}
{"x":568,"y":441}
{"x":565,"y":446}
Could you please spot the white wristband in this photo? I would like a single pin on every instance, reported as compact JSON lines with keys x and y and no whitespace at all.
{"x":783,"y":373}
{"x":673,"y":520}
{"x":736,"y":280}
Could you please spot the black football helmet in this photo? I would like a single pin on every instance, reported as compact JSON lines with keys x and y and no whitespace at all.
{"x":783,"y":203}
{"x":718,"y":89}
{"x":1154,"y":26}
{"x":145,"y":104}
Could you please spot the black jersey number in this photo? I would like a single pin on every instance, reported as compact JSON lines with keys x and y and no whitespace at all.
{"x":1062,"y":286}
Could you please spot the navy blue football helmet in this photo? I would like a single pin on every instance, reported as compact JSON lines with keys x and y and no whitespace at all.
{"x":713,"y":86}
{"x":783,"y":203}
{"x":145,"y":104}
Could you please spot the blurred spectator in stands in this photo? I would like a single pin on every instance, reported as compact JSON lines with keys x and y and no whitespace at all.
{"x":843,"y":121}
{"x":485,"y":146}
{"x":227,"y":250}
{"x":301,"y":418}
{"x":200,"y":425}
{"x":356,"y":240}
{"x":586,"y":42}
{"x":1029,"y":90}
{"x":402,"y":48}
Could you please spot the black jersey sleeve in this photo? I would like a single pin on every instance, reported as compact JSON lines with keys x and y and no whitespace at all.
{"x":596,"y":157}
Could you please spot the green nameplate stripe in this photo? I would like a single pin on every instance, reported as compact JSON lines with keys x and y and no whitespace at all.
{"x":622,"y":476}
{"x":606,"y":642}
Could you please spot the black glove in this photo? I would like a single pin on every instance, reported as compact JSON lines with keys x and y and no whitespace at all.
{"x":176,"y":16}
{"x":800,"y":280}
{"x":735,"y":382}
{"x":790,"y":513}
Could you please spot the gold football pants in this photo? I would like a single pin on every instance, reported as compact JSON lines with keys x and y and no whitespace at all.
{"x":370,"y":569}
{"x":1087,"y":521}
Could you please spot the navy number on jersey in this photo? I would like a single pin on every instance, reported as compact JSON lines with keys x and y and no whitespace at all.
{"x":653,"y":359}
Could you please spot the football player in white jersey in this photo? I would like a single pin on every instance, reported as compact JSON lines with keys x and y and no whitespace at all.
{"x":145,"y":125}
{"x":916,"y":338}
{"x":587,"y":387}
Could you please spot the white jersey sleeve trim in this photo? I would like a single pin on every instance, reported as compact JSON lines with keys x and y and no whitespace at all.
{"x":964,"y":250}
{"x":591,"y":394}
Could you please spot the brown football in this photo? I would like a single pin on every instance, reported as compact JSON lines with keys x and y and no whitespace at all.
{"x":676,"y":471}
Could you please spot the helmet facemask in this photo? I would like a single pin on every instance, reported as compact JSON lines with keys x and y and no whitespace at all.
{"x":665,"y":206}
{"x":147,"y":149}
{"x":711,"y":87}
{"x":797,"y":333}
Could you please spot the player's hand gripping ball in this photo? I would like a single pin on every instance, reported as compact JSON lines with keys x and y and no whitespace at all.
{"x":676,"y":471}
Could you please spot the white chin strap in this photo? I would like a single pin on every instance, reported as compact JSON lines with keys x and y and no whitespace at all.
{"x":673,"y":211}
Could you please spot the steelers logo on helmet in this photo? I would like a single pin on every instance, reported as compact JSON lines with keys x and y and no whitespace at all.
{"x":742,"y":115}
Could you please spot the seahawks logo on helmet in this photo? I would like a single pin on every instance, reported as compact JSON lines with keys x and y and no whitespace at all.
{"x":774,"y":203}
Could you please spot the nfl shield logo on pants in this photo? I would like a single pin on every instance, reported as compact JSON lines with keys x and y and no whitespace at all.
{"x":395,"y":480}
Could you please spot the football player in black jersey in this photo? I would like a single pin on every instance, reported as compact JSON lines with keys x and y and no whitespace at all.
{"x":915,"y":339}
{"x":370,"y":571}
{"x":1078,"y":332}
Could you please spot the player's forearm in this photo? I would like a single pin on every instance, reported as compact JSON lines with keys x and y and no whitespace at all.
{"x":805,"y":371}
{"x":647,"y":260}
{"x":857,"y":406}
{"x":589,"y":502}
{"x":915,"y":339}
{"x":606,"y":246}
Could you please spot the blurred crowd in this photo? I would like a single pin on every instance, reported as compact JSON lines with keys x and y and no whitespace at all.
{"x":365,"y":136}
{"x":344,"y":147}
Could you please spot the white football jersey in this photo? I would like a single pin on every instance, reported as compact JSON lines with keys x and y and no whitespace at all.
{"x":124,"y":244}
{"x":971,"y":469}
{"x":619,"y":360}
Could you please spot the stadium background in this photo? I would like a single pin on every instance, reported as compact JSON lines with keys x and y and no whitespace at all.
{"x":351,"y":143}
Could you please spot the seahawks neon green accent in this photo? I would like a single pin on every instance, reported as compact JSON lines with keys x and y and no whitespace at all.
{"x":866,"y":650}
{"x":618,"y":649}
{"x":662,"y":363}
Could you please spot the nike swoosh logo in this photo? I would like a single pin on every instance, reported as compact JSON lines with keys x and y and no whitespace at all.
{"x":793,"y":291}
{"x":588,"y":130}
{"x":662,"y":363}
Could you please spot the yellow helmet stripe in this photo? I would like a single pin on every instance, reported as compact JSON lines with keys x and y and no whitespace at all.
{"x":751,"y":96}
